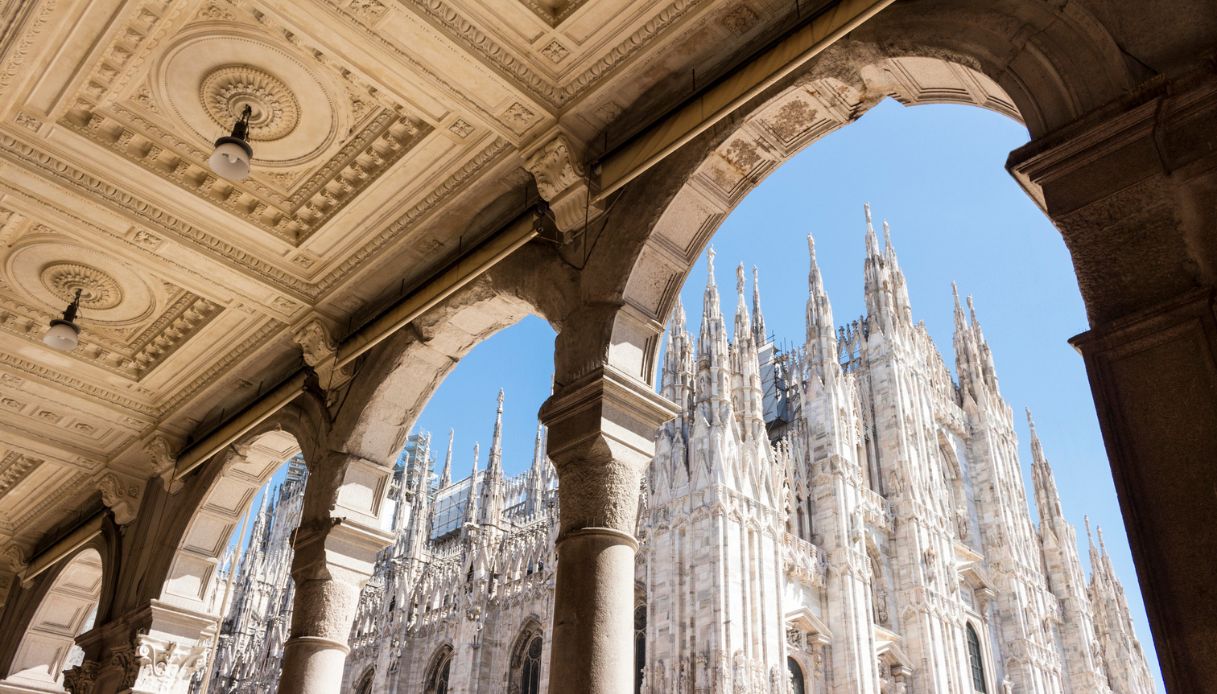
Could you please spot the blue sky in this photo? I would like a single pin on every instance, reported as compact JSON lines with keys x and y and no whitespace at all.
{"x":937,"y":174}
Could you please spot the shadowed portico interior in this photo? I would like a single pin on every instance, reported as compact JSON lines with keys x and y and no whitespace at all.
{"x":389,"y":225}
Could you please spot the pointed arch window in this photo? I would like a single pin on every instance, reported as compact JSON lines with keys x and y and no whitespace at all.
{"x":365,"y":683}
{"x":798,"y":683}
{"x":438,"y":673}
{"x":525,"y":675}
{"x":978,"y":666}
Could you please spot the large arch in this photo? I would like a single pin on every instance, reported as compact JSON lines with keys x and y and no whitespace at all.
{"x":159,"y":628}
{"x":1042,"y":65}
{"x":190,"y":582}
{"x":393,"y":383}
{"x":65,"y":609}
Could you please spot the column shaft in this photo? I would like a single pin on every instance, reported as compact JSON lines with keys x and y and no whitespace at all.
{"x":593,"y":642}
{"x":601,"y":438}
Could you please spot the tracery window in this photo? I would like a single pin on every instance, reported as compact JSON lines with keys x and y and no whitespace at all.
{"x":365,"y":683}
{"x":798,"y":682}
{"x":438,"y":673}
{"x":525,"y":675}
{"x":640,"y":645}
{"x":978,"y":666}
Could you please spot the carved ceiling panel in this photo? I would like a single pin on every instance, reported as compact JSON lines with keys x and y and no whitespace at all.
{"x":382,"y":131}
{"x":131,"y":321}
{"x":320,"y":136}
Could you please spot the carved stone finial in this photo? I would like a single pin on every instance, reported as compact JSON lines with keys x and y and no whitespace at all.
{"x":563,"y":184}
{"x":122,"y":499}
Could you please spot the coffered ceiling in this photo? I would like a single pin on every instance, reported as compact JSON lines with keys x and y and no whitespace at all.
{"x":381,"y":128}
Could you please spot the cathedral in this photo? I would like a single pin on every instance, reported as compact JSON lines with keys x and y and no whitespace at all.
{"x":840,"y":517}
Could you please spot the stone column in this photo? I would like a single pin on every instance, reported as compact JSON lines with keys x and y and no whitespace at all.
{"x":335,"y":552}
{"x":601,"y":438}
{"x":1132,"y":190}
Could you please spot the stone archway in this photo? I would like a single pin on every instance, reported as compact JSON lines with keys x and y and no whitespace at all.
{"x":191,"y":580}
{"x":1045,"y":66}
{"x":66,"y":609}
{"x":720,"y":176}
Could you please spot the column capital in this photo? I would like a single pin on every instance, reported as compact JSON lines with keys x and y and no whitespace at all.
{"x":602,"y":431}
{"x":156,"y":648}
{"x":604,"y":405}
{"x":321,"y":547}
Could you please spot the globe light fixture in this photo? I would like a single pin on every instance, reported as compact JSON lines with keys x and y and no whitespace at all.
{"x":231,"y":157}
{"x":64,"y":334}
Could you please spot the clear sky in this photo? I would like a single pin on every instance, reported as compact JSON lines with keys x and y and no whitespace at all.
{"x":937,"y":174}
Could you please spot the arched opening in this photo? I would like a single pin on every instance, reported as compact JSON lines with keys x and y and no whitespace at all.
{"x":723,"y":183}
{"x":524,"y":676}
{"x":254,"y":587}
{"x":798,"y":681}
{"x":228,"y":578}
{"x":976,"y":662}
{"x":439,"y":671}
{"x":472,"y":506}
{"x":66,"y":610}
{"x":192,"y":581}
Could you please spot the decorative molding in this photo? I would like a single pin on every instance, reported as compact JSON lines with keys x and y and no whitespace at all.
{"x":555,"y":51}
{"x":121,"y":498}
{"x":98,"y":290}
{"x":562,"y":183}
{"x":78,"y":386}
{"x":626,"y":49}
{"x":227,"y":90}
{"x":115,"y":198}
{"x":14,"y":468}
{"x":443,"y":16}
{"x":28,"y":32}
{"x":399,"y":227}
{"x":553,"y":13}
{"x":257,"y":338}
{"x":362,"y":159}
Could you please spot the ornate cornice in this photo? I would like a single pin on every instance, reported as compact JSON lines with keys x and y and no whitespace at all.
{"x":210,"y":375}
{"x":76,"y":385}
{"x":109,"y":195}
{"x":25,"y":31}
{"x":444,"y":17}
{"x":627,"y":48}
{"x":15,"y":467}
{"x":360,"y":161}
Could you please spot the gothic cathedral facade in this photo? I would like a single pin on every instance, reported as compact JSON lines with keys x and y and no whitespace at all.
{"x":843,"y":517}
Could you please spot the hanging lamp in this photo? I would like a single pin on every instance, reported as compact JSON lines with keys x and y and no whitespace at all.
{"x":64,"y":334}
{"x":232,"y":153}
